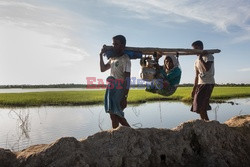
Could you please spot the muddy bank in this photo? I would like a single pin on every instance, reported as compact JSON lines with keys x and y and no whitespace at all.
{"x":193,"y":143}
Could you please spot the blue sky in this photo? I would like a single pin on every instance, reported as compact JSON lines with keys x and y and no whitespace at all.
{"x":58,"y":41}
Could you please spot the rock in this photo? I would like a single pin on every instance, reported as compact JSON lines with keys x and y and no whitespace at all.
{"x":240,"y":123}
{"x":193,"y":143}
{"x":7,"y":158}
{"x":65,"y":151}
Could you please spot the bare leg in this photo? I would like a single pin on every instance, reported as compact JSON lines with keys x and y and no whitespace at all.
{"x":123,"y":121}
{"x":203,"y":115}
{"x":115,"y":121}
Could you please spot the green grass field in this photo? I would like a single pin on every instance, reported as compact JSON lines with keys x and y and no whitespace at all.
{"x":74,"y":98}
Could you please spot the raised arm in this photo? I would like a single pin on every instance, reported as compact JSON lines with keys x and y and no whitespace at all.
{"x":206,"y":65}
{"x":103,"y":67}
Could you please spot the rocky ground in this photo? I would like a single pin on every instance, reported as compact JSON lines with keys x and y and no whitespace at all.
{"x":193,"y":143}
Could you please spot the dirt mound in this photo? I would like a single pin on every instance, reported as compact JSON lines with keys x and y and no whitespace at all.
{"x":193,"y":143}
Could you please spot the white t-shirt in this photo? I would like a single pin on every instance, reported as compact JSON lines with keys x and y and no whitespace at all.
{"x":120,"y":65}
{"x":205,"y":77}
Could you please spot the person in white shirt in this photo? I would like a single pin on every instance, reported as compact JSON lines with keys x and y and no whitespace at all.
{"x":118,"y":81}
{"x":204,"y":81}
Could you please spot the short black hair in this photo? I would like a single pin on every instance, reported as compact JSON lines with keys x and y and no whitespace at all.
{"x":198,"y":43}
{"x":120,"y":38}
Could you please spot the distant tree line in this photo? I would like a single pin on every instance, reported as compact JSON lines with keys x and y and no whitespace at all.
{"x":225,"y":85}
{"x":71,"y":85}
{"x":233,"y":84}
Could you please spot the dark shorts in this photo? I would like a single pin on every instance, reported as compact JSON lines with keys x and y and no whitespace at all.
{"x":201,"y":98}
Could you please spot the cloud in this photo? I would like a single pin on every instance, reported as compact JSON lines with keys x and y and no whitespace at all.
{"x":242,"y":38}
{"x":33,"y":16}
{"x":224,"y":15}
{"x":41,"y":43}
{"x":244,"y":69}
{"x":55,"y":22}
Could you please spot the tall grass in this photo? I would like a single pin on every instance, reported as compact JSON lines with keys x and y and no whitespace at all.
{"x":63,"y":98}
{"x":51,"y":98}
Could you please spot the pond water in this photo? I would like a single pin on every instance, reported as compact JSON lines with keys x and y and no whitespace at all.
{"x":24,"y":90}
{"x":22,"y":127}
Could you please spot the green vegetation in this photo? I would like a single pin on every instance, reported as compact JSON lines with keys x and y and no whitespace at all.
{"x":87,"y":97}
{"x":72,"y":85}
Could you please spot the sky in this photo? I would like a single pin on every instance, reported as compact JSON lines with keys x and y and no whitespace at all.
{"x":59,"y":41}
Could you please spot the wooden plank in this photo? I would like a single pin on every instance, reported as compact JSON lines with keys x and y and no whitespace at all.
{"x":164,"y":51}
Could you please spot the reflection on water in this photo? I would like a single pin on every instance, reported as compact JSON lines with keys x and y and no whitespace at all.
{"x":22,"y":127}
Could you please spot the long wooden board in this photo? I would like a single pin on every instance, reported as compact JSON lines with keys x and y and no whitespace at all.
{"x":164,"y":51}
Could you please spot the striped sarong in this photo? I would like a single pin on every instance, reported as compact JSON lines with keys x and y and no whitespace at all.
{"x":113,"y":96}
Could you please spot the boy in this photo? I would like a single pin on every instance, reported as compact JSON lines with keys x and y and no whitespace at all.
{"x":204,"y":81}
{"x":118,"y":87}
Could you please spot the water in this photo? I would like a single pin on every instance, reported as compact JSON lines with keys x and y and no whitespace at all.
{"x":24,"y":90}
{"x":20,"y":90}
{"x":22,"y":127}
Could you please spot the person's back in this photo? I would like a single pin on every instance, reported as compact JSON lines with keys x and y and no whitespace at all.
{"x":205,"y":77}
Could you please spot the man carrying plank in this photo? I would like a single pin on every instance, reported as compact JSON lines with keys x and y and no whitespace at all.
{"x":204,"y":81}
{"x":118,"y":81}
